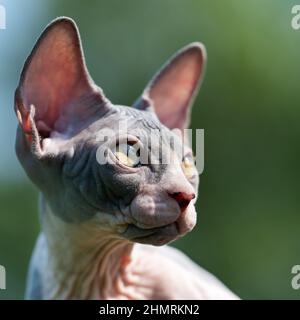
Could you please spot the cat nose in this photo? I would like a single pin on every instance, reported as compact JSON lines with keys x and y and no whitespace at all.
{"x":183,"y":199}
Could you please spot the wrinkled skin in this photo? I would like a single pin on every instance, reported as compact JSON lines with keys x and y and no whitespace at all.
{"x":93,"y":215}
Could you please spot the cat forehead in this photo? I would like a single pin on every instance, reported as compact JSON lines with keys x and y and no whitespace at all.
{"x":126,"y":121}
{"x":144,"y":119}
{"x":129,"y":120}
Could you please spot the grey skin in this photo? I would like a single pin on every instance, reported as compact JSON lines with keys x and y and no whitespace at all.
{"x":102,"y":223}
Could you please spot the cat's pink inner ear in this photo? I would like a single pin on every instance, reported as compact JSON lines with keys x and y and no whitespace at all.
{"x":54,"y":77}
{"x":172,"y":90}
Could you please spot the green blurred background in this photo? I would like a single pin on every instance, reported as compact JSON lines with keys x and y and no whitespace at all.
{"x":249,"y":106}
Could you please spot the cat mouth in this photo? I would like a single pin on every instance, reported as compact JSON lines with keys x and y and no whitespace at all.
{"x":155,"y":236}
{"x":163,"y":234}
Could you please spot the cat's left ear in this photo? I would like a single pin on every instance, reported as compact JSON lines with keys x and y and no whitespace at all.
{"x":56,"y":92}
{"x":172,"y":90}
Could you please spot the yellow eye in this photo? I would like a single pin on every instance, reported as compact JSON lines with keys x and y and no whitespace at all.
{"x":188,"y":166}
{"x":127,"y":155}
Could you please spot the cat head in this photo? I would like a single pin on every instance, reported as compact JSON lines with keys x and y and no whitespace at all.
{"x":66,"y":123}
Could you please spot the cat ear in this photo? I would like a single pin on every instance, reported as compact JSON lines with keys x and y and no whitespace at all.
{"x":172,"y":90}
{"x":55,"y":89}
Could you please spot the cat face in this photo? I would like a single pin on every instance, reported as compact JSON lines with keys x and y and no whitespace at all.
{"x":146,"y":188}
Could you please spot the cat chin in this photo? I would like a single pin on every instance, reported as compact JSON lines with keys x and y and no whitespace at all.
{"x":157,"y":236}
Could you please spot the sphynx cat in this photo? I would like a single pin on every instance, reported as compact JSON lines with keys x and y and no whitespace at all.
{"x":104,"y":226}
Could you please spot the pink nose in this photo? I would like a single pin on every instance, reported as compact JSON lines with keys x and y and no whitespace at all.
{"x":183,"y":199}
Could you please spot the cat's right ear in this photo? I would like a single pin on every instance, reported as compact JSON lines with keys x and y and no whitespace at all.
{"x":56,"y":92}
{"x":171,"y":91}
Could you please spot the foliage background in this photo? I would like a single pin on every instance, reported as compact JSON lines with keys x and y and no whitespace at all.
{"x":249,"y":202}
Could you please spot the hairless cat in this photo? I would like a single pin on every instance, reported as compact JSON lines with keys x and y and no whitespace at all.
{"x":105,"y":226}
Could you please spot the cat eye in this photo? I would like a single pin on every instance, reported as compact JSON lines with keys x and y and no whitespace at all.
{"x":127,"y":155}
{"x":188,"y":166}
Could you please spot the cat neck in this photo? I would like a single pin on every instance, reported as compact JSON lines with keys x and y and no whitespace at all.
{"x":81,"y":265}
